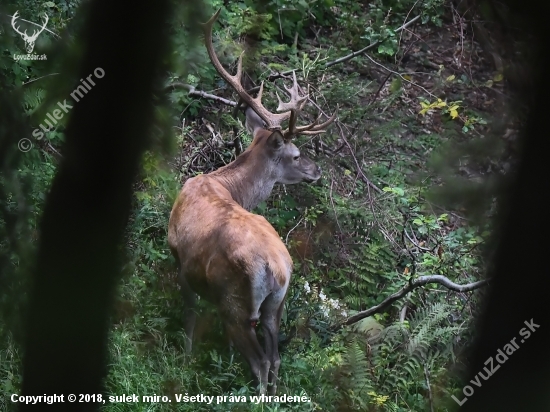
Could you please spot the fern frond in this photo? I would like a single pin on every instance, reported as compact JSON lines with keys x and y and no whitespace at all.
{"x":32,"y":98}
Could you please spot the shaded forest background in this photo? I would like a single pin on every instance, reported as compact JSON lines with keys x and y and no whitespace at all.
{"x":425,"y":139}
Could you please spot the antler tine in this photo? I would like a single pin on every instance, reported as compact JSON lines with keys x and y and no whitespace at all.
{"x":310,"y":129}
{"x":272,"y":120}
{"x":296,"y":102}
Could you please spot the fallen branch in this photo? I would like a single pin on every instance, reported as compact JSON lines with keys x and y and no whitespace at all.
{"x":200,"y":93}
{"x":413,"y":284}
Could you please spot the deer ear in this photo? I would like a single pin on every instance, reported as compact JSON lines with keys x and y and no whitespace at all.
{"x":253,"y":121}
{"x":275,"y":140}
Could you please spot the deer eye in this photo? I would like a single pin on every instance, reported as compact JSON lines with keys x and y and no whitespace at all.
{"x":296,"y":157}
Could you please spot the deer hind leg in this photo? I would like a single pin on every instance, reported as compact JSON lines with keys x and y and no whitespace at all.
{"x":271,"y":320}
{"x":243,"y":335}
{"x":189,"y":314}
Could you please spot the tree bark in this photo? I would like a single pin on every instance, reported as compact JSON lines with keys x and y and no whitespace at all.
{"x":87,"y":208}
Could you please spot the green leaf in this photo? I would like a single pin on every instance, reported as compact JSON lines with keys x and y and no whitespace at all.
{"x":398,"y":191}
{"x":396,"y":85}
{"x":444,"y":217}
{"x":386,"y":49}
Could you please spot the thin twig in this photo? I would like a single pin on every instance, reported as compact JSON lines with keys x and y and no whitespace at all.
{"x":200,"y":93}
{"x":401,"y":35}
{"x":399,"y":74}
{"x":299,"y":221}
{"x":370,"y":46}
{"x":359,"y":169}
{"x":379,"y":89}
{"x":33,"y":80}
{"x":414,"y":243}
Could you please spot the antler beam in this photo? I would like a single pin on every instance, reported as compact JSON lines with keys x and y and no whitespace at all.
{"x":272,"y":120}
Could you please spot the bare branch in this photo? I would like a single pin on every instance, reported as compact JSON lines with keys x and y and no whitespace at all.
{"x":200,"y":93}
{"x":364,"y":178}
{"x":370,"y":46}
{"x":33,"y":80}
{"x":401,"y":76}
{"x":413,"y":284}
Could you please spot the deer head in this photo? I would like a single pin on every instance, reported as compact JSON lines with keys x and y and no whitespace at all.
{"x":229,"y":256}
{"x":29,"y":40}
{"x":293,"y":167}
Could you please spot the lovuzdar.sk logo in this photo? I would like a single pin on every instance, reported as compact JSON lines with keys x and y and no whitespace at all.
{"x":29,"y":39}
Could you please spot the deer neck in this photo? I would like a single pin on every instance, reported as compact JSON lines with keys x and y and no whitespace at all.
{"x":249,"y":179}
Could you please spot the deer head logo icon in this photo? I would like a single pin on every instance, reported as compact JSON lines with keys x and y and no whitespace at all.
{"x":29,"y":40}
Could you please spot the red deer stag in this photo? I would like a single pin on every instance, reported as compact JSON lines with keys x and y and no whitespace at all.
{"x":229,"y":256}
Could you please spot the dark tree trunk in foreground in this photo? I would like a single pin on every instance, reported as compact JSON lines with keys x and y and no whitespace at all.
{"x":522,"y":280}
{"x":88,"y":206}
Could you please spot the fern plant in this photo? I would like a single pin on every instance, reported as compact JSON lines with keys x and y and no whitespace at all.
{"x":32,"y":98}
{"x":368,"y":266}
{"x":405,"y":352}
{"x":354,"y":378}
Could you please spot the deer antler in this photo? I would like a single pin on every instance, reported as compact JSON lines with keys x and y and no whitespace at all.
{"x":273,"y":121}
{"x":295,"y":106}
